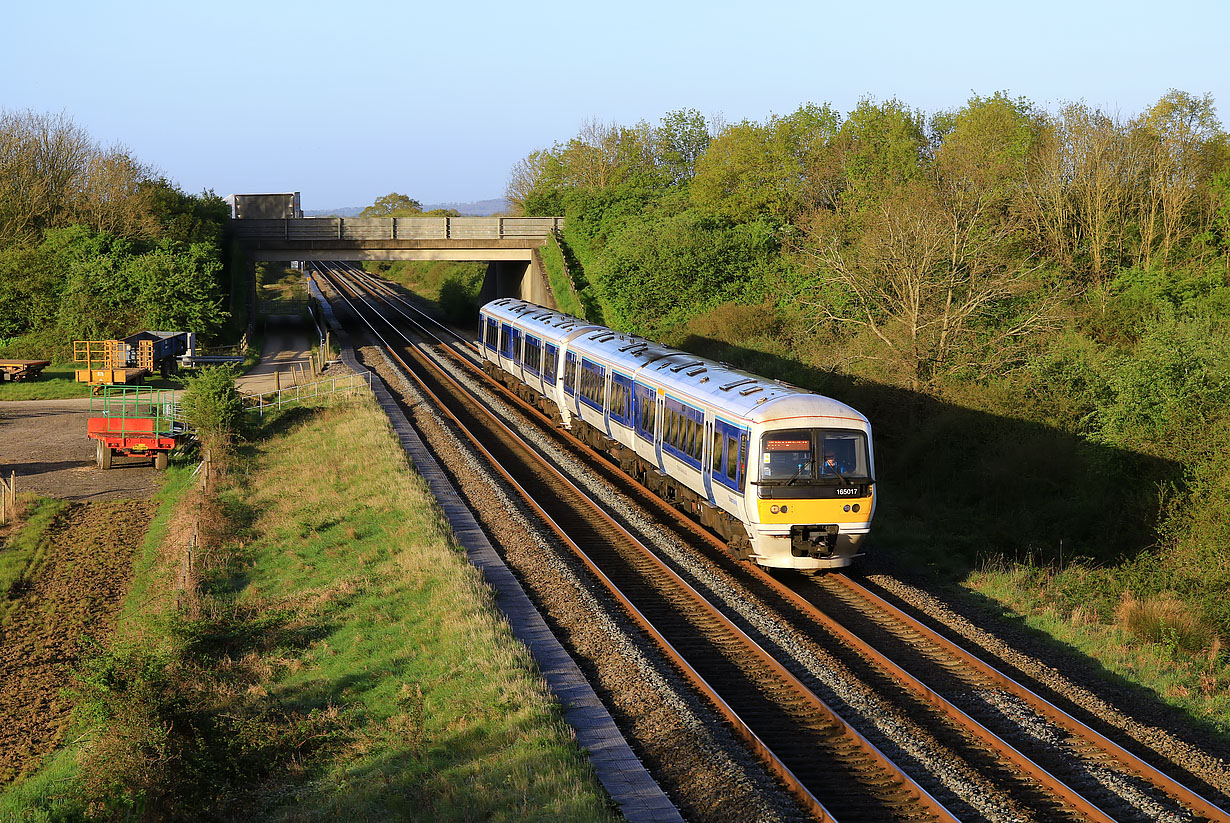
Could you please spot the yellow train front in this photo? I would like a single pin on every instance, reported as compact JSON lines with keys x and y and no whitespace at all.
{"x":787,"y":477}
{"x":810,"y":495}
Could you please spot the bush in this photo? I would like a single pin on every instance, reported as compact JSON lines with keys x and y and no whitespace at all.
{"x":212,"y":406}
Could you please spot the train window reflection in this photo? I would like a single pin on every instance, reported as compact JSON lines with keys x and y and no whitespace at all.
{"x":803,"y":455}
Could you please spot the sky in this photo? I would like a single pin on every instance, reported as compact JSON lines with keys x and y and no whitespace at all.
{"x":347,"y":101}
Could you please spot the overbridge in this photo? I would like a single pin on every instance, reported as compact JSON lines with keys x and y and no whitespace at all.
{"x":509,"y":245}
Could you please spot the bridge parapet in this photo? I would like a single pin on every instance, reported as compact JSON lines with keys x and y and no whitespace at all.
{"x":398,"y":228}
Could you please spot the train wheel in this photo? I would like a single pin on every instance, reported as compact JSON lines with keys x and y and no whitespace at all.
{"x":103,"y":456}
{"x":160,"y":461}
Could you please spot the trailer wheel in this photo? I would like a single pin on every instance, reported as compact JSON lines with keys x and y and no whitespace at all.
{"x":104,"y":455}
{"x":160,"y":460}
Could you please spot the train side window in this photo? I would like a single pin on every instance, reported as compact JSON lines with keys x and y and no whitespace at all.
{"x":732,"y":458}
{"x":506,"y":340}
{"x":549,"y":367}
{"x":689,"y":434}
{"x":715,"y":461}
{"x":698,"y":442}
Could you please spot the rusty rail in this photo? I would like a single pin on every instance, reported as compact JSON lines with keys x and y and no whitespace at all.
{"x":697,"y":601}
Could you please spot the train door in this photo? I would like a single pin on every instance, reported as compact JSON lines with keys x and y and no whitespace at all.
{"x":516,"y":346}
{"x":506,"y":340}
{"x":660,"y":419}
{"x":710,"y":458}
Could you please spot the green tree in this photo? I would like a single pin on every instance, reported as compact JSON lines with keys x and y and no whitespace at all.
{"x":777,"y":169}
{"x":680,"y":140}
{"x":882,"y":145}
{"x":984,"y":148}
{"x":393,"y":205}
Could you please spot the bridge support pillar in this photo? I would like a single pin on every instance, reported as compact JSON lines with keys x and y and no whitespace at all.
{"x":516,"y":278}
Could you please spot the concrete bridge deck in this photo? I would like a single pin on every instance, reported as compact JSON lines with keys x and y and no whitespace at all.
{"x":508,"y":244}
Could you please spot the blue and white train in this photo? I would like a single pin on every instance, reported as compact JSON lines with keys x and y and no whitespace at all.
{"x":786,"y":477}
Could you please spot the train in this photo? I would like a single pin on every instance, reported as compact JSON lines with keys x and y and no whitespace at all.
{"x":785,"y":476}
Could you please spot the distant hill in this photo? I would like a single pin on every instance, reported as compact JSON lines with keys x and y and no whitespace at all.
{"x":479,"y":208}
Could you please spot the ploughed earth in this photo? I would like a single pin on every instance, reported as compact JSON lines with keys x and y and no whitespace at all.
{"x":73,"y":589}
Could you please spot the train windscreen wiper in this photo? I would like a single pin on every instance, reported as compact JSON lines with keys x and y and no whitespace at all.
{"x":799,"y":471}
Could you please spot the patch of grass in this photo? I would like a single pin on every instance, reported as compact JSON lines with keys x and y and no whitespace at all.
{"x":152,"y":582}
{"x":332,"y":656}
{"x":57,"y":382}
{"x":21,"y":549}
{"x":449,"y":721}
{"x":553,"y":261}
{"x":1157,"y":642}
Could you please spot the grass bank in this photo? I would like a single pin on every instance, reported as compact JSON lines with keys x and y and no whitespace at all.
{"x":1156,"y":641}
{"x":565,"y":297}
{"x":454,"y":286}
{"x":323,"y":651}
{"x":23,"y":545}
{"x":57,"y":382}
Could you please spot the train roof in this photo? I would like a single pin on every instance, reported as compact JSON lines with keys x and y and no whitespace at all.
{"x":741,"y":393}
{"x":748,"y":395}
{"x":551,"y":324}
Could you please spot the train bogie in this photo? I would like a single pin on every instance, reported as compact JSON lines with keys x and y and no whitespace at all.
{"x":787,"y":477}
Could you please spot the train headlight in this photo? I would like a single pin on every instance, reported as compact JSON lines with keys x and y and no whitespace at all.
{"x":774,"y":508}
{"x":784,"y":509}
{"x":856,"y":507}
{"x":847,"y":507}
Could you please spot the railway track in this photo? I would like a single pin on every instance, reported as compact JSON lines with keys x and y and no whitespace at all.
{"x":1036,"y":757}
{"x":820,"y":757}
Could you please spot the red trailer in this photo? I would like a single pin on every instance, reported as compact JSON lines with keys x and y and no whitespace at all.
{"x":134,"y":420}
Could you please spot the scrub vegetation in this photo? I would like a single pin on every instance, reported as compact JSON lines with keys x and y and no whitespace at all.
{"x":1031,"y":305}
{"x":322,"y":651}
{"x":95,"y":245}
{"x":454,"y":286}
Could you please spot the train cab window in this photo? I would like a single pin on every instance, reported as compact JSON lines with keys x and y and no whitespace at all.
{"x":788,"y":455}
{"x":842,"y":452}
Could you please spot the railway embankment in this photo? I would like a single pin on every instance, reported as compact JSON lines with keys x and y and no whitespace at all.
{"x":306,"y":638}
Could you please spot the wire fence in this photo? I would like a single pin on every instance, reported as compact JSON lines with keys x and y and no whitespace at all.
{"x":346,"y":384}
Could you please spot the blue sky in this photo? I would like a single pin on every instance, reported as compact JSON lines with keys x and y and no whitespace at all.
{"x":346,"y":101}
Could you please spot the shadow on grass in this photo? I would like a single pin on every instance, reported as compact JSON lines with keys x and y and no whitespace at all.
{"x":1111,"y":687}
{"x":956,"y":485}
